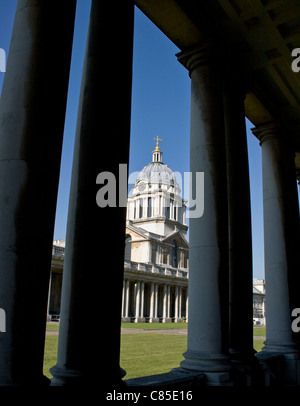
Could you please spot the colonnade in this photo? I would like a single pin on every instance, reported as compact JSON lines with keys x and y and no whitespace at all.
{"x":153,"y":302}
{"x":221,"y":239}
{"x":32,"y":113}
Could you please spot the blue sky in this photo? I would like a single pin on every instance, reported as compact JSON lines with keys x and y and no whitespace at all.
{"x":160,"y":106}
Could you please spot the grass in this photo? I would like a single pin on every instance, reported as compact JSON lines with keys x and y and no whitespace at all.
{"x":259,"y":331}
{"x":50,"y":354}
{"x":52,"y":326}
{"x":155,"y":326}
{"x":258,"y":345}
{"x":143,"y":354}
{"x":150,"y":354}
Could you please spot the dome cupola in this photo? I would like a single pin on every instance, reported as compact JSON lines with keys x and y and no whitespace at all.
{"x":155,"y":201}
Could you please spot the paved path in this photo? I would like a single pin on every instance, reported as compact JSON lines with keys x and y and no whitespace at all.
{"x":172,"y":331}
{"x":179,"y":331}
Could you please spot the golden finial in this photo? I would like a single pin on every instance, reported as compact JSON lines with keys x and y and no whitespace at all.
{"x":157,"y":141}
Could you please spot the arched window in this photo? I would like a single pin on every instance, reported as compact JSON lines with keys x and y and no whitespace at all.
{"x":174,"y":255}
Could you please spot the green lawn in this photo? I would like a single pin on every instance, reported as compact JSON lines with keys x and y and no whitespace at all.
{"x":50,"y":354}
{"x":154,"y":326}
{"x":149,"y":354}
{"x":259,"y":331}
{"x":143,"y":354}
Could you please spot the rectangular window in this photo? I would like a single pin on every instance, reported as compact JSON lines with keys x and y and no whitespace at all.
{"x":141,"y":209}
{"x":153,"y":256}
{"x":149,"y":213}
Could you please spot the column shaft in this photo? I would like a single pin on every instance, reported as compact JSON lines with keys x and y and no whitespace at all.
{"x":152,"y":298}
{"x":155,"y":300}
{"x":165,"y":303}
{"x":208,"y":272}
{"x":240,"y":237}
{"x":142,"y":300}
{"x":99,"y":149}
{"x":179,"y":301}
{"x":32,"y":112}
{"x":176,"y":304}
{"x":127,"y":290}
{"x":168,"y":302}
{"x":281,"y":243}
{"x":137,"y":301}
{"x":281,"y":238}
{"x":123,"y":300}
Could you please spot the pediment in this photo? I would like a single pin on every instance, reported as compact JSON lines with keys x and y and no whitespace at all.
{"x":178,"y":237}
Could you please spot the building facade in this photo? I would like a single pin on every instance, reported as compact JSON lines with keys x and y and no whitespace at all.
{"x":156,"y":247}
{"x":259,"y":311}
{"x":155,"y":284}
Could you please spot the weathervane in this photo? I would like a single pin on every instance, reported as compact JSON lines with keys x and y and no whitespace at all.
{"x":157,"y":141}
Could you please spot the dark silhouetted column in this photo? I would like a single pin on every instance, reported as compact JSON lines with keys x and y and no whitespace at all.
{"x":240,"y":237}
{"x":94,"y":258}
{"x":32,"y":113}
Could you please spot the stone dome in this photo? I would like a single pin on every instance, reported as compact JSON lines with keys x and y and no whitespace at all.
{"x":157,"y":172}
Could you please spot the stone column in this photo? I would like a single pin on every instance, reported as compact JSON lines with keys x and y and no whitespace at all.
{"x":96,"y":226}
{"x":123,"y":300}
{"x":176,"y":304}
{"x":137,"y":301}
{"x":152,"y":298}
{"x":142,"y":302}
{"x":240,"y":237}
{"x":49,"y":297}
{"x":127,"y":292}
{"x":155,"y":301}
{"x":187,"y":305}
{"x":208,"y":272}
{"x":168,"y":303}
{"x":281,"y":242}
{"x":179,"y":301}
{"x":165,"y":303}
{"x":32,"y":113}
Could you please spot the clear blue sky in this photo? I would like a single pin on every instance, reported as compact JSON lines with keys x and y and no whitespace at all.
{"x":160,"y":106}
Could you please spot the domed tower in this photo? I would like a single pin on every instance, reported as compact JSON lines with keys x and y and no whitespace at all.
{"x":155,"y":203}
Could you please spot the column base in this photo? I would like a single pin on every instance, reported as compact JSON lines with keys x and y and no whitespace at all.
{"x":280,"y":369}
{"x":167,"y":320}
{"x":63,"y":376}
{"x":271,"y":346}
{"x":66,"y":376}
{"x":246,"y":369}
{"x":154,"y":320}
{"x":140,"y":320}
{"x":215,"y":367}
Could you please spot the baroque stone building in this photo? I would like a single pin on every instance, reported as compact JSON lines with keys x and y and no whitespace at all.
{"x":156,"y":250}
{"x":155,"y":285}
